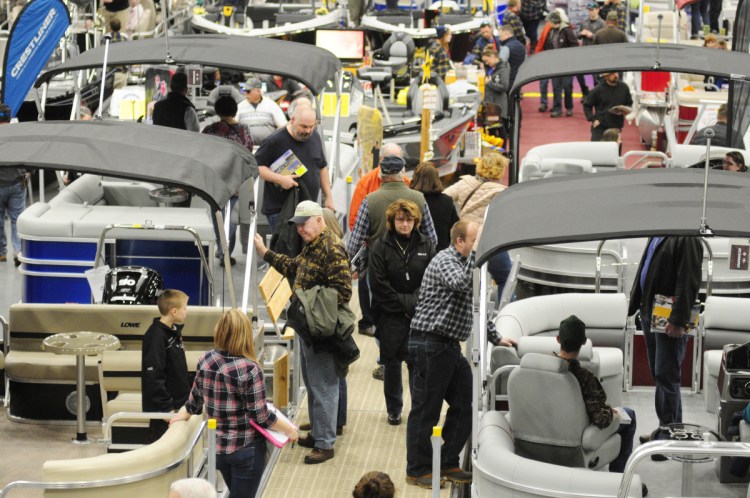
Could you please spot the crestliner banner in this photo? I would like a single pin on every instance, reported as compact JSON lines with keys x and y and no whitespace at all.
{"x":33,"y":38}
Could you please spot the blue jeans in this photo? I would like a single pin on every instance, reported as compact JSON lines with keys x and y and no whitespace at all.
{"x":319,"y":374}
{"x":626,"y":432}
{"x":273,"y":222}
{"x":543,"y":88}
{"x":341,"y":412}
{"x":698,"y":16}
{"x":232,"y":239}
{"x":243,"y":469}
{"x":12,"y":201}
{"x":665,"y":356}
{"x":437,"y":371}
{"x":563,"y":84}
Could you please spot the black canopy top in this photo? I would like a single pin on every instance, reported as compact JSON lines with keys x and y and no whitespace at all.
{"x":310,"y":65}
{"x":208,"y":166}
{"x":631,"y":57}
{"x":616,"y":205}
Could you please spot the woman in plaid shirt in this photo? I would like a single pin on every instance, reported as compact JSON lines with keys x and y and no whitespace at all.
{"x":229,"y":383}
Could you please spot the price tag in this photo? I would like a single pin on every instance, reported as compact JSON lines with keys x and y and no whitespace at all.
{"x":429,"y":97}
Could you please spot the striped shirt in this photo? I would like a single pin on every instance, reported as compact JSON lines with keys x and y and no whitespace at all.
{"x":445,"y":305}
{"x":232,"y":391}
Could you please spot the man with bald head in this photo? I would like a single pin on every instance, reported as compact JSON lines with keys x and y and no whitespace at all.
{"x":299,"y":137}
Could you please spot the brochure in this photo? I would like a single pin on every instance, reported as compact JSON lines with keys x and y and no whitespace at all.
{"x":663,"y":309}
{"x":278,"y":439}
{"x":288,"y":164}
{"x":622,"y":415}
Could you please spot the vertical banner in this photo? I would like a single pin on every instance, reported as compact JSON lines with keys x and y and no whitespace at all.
{"x":32,"y":39}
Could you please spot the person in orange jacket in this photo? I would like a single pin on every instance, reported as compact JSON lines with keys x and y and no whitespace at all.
{"x":543,"y":84}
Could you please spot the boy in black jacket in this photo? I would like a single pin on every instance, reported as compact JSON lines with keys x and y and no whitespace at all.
{"x":165,"y":381}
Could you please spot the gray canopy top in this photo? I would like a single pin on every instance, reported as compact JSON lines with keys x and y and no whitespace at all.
{"x":616,"y":205}
{"x":631,"y":57}
{"x":211,"y":167}
{"x":310,"y":65}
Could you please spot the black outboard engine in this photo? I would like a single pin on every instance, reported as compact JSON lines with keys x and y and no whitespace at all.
{"x":132,"y":285}
{"x":734,"y":390}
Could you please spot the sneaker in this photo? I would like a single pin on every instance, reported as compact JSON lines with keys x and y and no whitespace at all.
{"x":424,"y":481}
{"x":368,"y":331}
{"x":456,"y":475}
{"x":378,"y":373}
{"x":644,"y":438}
{"x":569,"y":113}
{"x":319,"y":456}
{"x":543,"y":108}
{"x":394,"y":419}
{"x":644,"y":489}
{"x":232,"y":261}
{"x":555,"y":114}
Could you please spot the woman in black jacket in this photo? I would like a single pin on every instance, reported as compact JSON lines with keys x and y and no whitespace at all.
{"x":397,"y":263}
{"x":426,"y":179}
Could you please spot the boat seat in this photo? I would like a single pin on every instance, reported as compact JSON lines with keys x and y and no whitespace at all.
{"x":726,"y":320}
{"x":650,"y":26}
{"x":415,"y":95}
{"x":554,"y":427}
{"x":555,"y":167}
{"x":86,"y":190}
{"x":605,"y":363}
{"x":376,"y":75}
{"x":599,"y":154}
{"x":500,"y":471}
{"x":222,"y":91}
{"x":164,"y":454}
{"x":396,"y":53}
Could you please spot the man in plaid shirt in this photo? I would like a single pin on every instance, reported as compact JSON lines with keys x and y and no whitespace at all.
{"x":437,"y":368}
{"x":532,"y":12}
{"x":510,"y":18}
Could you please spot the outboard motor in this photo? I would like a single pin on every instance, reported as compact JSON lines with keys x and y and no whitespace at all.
{"x":734,"y":391}
{"x":132,"y":285}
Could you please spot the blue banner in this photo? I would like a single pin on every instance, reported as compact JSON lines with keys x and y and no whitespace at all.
{"x":33,"y":38}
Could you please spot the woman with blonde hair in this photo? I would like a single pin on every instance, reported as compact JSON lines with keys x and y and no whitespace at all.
{"x":473,"y":194}
{"x":229,"y":385}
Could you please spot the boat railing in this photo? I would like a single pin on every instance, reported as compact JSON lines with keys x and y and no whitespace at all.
{"x":689,"y":450}
{"x":644,"y":155}
{"x":185,"y":457}
{"x":99,"y":257}
{"x":107,"y":424}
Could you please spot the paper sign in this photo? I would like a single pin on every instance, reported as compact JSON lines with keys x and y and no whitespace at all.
{"x":738,"y":254}
{"x":96,"y":277}
{"x":429,"y":97}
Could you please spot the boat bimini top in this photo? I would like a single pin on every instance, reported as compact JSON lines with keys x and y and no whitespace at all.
{"x":596,"y":59}
{"x":310,"y":65}
{"x":210,"y":167}
{"x":616,"y":205}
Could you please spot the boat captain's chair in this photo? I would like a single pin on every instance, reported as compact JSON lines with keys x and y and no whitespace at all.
{"x":396,"y":53}
{"x":549,"y":418}
{"x":224,"y":91}
{"x":415,"y":95}
{"x":378,"y":76}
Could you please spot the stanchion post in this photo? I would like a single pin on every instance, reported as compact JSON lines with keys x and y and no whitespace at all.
{"x":437,"y":442}
{"x":211,"y":472}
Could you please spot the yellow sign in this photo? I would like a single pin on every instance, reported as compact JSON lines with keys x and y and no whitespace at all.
{"x":329,"y":104}
{"x":228,"y":10}
{"x":132,"y":109}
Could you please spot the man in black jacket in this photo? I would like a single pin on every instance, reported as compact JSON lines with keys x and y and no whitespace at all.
{"x":606,"y":105}
{"x":176,"y":111}
{"x":165,"y":381}
{"x":670,"y":266}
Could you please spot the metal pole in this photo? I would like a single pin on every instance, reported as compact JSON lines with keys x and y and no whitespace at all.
{"x":227,"y":266}
{"x":335,"y":153}
{"x":211,"y":433}
{"x":478,"y":361}
{"x":251,"y":268}
{"x":437,"y":441}
{"x":657,"y":62}
{"x":704,"y":229}
{"x":81,"y":400}
{"x":168,"y":59}
{"x":107,"y":39}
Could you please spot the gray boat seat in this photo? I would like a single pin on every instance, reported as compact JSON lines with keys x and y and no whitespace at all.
{"x":377,"y":75}
{"x":500,"y":471}
{"x":222,"y":91}
{"x":396,"y":53}
{"x":555,"y":428}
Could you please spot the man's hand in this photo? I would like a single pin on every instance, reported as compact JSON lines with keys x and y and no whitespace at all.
{"x":329,"y":204}
{"x":260,"y":247}
{"x":675,"y":331}
{"x":507,"y":342}
{"x":586,"y":33}
{"x":355,"y":275}
{"x":595,"y":123}
{"x":287,"y":181}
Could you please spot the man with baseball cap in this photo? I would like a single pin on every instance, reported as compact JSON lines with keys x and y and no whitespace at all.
{"x":572,"y":336}
{"x":370,"y":225}
{"x":323,"y":262}
{"x":585,"y":32}
{"x":261,"y":114}
{"x":611,"y":33}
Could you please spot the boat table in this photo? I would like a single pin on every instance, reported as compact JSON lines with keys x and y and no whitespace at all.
{"x":81,"y":344}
